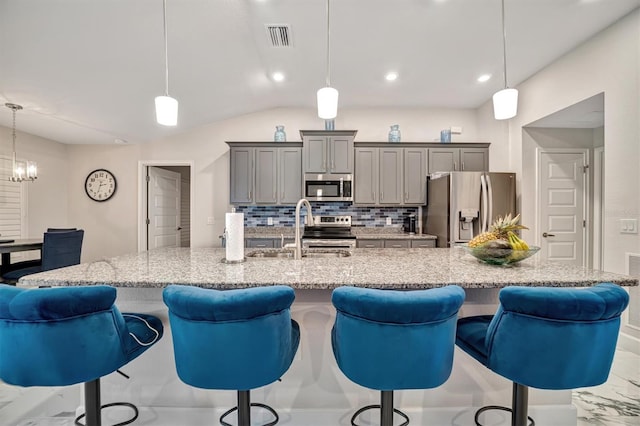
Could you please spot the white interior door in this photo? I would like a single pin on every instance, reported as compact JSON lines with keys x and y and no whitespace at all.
{"x":163,"y":201}
{"x":562,"y":198}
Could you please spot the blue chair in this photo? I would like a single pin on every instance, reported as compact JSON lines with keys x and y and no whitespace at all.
{"x":59,"y":249}
{"x":232,"y":340}
{"x":546,"y":338}
{"x":67,"y":335}
{"x":391,"y":340}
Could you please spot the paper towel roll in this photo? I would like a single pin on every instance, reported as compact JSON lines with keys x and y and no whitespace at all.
{"x":234,"y":224}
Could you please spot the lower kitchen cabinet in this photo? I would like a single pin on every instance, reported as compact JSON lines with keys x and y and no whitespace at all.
{"x":266,"y":242}
{"x":394,"y":243}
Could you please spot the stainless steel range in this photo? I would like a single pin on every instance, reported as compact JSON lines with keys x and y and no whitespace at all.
{"x":329,"y":232}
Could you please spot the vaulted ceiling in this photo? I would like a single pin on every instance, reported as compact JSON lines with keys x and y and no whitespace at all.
{"x":87,"y":71}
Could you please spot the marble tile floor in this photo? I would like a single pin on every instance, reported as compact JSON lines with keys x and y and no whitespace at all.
{"x":615,"y":403}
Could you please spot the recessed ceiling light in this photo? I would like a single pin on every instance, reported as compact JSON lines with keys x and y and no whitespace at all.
{"x":277,"y":76}
{"x":120,"y":141}
{"x":391,"y":76}
{"x":484,"y":77}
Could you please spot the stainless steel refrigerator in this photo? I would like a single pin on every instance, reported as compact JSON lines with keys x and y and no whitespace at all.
{"x":461,"y":205}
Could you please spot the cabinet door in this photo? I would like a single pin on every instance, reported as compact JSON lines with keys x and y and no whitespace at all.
{"x":260,"y":243}
{"x":390,"y":176}
{"x":266,"y":183}
{"x":415,"y":176}
{"x":423,"y":243}
{"x":290,"y":171}
{"x":315,"y":154}
{"x":369,"y":243}
{"x":397,"y":243}
{"x":341,"y":154}
{"x":366,"y":176}
{"x":444,"y":159}
{"x":241,"y":179}
{"x":474,"y":159}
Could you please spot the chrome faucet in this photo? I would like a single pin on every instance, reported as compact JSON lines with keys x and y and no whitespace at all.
{"x":298,"y":242}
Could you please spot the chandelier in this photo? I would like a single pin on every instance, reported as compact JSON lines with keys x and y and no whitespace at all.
{"x":21,"y":170}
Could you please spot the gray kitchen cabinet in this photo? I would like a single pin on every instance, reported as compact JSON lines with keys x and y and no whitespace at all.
{"x":328,"y":151}
{"x":264,"y":173}
{"x":452,"y":159}
{"x":242,"y":175}
{"x":423,"y":243}
{"x":390,"y":176}
{"x":397,"y":243}
{"x":415,"y":176}
{"x":369,"y":243}
{"x":366,"y":176}
{"x":260,"y":243}
{"x":266,"y":181}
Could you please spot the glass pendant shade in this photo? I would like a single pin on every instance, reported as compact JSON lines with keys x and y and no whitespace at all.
{"x":32,"y":170}
{"x":327,"y":103}
{"x":166,"y":110}
{"x":505,"y":104}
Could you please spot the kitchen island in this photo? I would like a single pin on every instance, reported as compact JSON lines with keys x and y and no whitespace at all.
{"x":314,"y":384}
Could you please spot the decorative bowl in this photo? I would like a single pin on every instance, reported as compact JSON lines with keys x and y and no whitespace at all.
{"x":499,"y":256}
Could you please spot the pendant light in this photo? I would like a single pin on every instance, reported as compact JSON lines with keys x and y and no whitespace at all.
{"x":20,"y":170}
{"x":505,"y":101}
{"x":328,"y":96}
{"x":166,"y":106}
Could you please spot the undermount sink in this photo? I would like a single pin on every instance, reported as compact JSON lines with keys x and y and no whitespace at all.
{"x":288,"y":254}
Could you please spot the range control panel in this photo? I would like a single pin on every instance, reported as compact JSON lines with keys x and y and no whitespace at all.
{"x":332,"y":220}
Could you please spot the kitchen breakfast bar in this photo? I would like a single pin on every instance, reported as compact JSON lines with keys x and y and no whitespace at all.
{"x":314,"y":383}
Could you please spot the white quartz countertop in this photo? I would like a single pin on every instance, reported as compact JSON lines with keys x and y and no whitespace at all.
{"x":375,"y":268}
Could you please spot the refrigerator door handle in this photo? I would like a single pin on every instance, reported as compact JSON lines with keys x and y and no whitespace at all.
{"x":490,"y":200}
{"x":483,"y":195}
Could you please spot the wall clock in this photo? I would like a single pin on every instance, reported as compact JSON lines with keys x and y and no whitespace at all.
{"x":100,"y":185}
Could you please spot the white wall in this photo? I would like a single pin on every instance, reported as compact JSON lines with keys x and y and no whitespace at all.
{"x":609,"y":63}
{"x":47,"y":197}
{"x":111,"y":227}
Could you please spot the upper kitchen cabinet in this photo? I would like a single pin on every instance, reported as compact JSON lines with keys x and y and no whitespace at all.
{"x":386,"y":175}
{"x":452,"y":158}
{"x":265,"y":172}
{"x":328,"y":151}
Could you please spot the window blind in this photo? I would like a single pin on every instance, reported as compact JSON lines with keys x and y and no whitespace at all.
{"x":12,"y":204}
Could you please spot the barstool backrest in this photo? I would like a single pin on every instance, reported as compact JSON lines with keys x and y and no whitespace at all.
{"x":410,"y":333}
{"x":233,"y":339}
{"x":61,"y":248}
{"x":60,"y":336}
{"x":555,"y":338}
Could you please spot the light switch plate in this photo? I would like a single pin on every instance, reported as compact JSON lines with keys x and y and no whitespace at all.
{"x":209,"y":220}
{"x":389,"y":221}
{"x":628,"y":226}
{"x":270,"y":221}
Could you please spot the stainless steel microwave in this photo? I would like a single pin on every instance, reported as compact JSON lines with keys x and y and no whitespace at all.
{"x":329,"y":187}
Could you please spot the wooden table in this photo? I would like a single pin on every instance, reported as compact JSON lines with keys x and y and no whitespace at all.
{"x":17,"y":245}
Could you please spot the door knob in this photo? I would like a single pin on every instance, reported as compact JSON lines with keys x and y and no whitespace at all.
{"x":544,"y":234}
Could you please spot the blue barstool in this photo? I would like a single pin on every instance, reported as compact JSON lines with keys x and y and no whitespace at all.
{"x":67,"y":335}
{"x":391,"y":340}
{"x":232,"y":340}
{"x":546,"y":338}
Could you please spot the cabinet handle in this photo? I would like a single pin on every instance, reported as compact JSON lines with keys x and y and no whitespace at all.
{"x":249,"y":194}
{"x":455,"y":165}
{"x":381,"y":196}
{"x":373,"y":195}
{"x":406,"y":196}
{"x":463,"y":165}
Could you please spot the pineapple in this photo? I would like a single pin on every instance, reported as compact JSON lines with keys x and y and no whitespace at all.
{"x":499,"y":230}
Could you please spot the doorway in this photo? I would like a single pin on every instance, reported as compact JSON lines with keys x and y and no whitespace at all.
{"x":165,"y":204}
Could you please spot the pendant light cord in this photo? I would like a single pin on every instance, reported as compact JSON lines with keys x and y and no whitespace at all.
{"x":328,"y":47}
{"x":504,"y":47}
{"x":166,"y":50}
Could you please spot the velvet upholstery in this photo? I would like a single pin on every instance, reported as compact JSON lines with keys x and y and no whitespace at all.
{"x":59,"y":249}
{"x":390,"y":340}
{"x":233,"y":339}
{"x":548,"y":338}
{"x":66,"y":335}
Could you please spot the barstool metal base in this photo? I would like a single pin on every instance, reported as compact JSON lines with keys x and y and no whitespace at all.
{"x":93,"y":409}
{"x":244,"y":411}
{"x":386,"y":411}
{"x":519,"y":403}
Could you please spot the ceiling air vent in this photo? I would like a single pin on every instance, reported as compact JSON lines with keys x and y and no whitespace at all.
{"x":279,"y":35}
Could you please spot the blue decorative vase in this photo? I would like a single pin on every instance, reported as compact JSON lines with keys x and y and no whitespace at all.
{"x":394,"y":133}
{"x":280,"y":135}
{"x":445,"y":136}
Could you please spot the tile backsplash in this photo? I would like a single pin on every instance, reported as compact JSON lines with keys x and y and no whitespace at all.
{"x":360,"y":216}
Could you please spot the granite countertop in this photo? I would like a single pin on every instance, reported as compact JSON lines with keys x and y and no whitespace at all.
{"x":374,"y":268}
{"x":362,"y":233}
